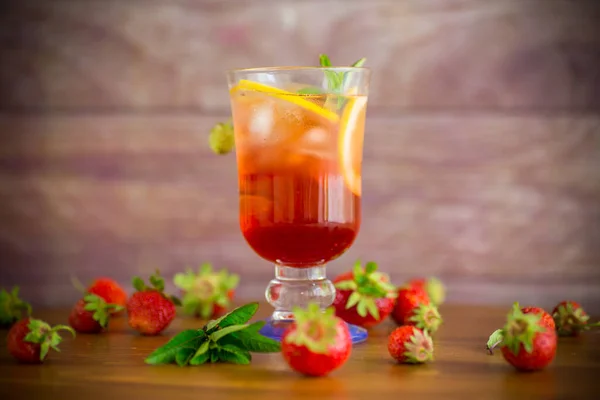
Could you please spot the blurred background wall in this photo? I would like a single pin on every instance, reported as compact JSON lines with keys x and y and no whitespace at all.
{"x":482,"y":155}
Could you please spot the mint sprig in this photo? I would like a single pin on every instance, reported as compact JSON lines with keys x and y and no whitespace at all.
{"x":229,"y":339}
{"x":336,"y":81}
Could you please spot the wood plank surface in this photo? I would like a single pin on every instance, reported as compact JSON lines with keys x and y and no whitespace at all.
{"x":482,"y":54}
{"x":501,"y":207}
{"x":111,"y":366}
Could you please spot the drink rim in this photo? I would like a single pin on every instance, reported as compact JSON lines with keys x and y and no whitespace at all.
{"x":297,"y":68}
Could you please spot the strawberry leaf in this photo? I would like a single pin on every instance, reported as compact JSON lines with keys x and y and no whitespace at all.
{"x":353,"y":300}
{"x":494,"y":340}
{"x":12,"y":308}
{"x":346,"y":285}
{"x":372,"y":308}
{"x":157,"y":282}
{"x":138,"y":284}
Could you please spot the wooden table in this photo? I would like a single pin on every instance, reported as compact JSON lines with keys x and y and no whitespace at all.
{"x":110,"y":366}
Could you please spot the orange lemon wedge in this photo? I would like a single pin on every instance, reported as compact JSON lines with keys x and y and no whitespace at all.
{"x":290,"y":97}
{"x":350,"y":142}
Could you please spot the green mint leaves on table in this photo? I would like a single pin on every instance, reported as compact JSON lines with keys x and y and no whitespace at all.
{"x":228,"y":339}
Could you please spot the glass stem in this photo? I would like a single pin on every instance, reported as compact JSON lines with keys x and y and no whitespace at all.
{"x":296,"y":287}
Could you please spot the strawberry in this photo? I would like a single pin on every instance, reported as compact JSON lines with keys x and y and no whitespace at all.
{"x":110,"y":291}
{"x":364,"y":297}
{"x":317,"y":342}
{"x":545,"y":320}
{"x":12,"y":307}
{"x":414,"y":308}
{"x":91,"y":314}
{"x":410,"y":345}
{"x":571,"y":319}
{"x":29,"y":340}
{"x":432,"y":286}
{"x":208,"y":293}
{"x":149,"y":309}
{"x":528,"y":344}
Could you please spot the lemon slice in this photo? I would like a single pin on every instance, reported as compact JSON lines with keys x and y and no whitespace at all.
{"x":350,"y":142}
{"x":290,"y":97}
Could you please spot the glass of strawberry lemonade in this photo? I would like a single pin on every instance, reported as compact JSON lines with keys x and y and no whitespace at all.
{"x":299,"y":143}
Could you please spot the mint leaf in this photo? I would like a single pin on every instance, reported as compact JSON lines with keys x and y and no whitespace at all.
{"x":184,"y":355}
{"x":251,"y":340}
{"x":359,"y":63}
{"x":190,"y":338}
{"x":202,"y":354}
{"x":214,"y":356}
{"x":226,"y":331}
{"x":234,"y":355}
{"x":238,"y":316}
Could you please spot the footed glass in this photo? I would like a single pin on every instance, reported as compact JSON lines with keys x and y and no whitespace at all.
{"x":299,"y":142}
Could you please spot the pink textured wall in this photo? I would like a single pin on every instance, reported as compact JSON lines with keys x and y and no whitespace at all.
{"x":482,"y":155}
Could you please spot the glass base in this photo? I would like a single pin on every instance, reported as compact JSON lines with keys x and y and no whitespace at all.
{"x":274,"y":329}
{"x":297,"y":287}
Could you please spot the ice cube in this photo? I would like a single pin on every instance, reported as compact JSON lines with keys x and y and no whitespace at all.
{"x":317,"y":141}
{"x":261,"y":122}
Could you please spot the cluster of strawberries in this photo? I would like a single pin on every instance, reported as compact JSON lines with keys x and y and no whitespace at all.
{"x":149,"y":309}
{"x":319,"y":343}
{"x":529,"y":339}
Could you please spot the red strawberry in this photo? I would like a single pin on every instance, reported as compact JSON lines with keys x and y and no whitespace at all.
{"x":91,"y":314}
{"x":29,"y":340}
{"x":12,"y":307}
{"x":364,"y":297}
{"x":571,"y":319}
{"x":410,"y":345}
{"x":110,"y":291}
{"x":545,"y":320}
{"x":414,"y":308}
{"x":432,"y":286}
{"x":317,"y":342}
{"x":207,"y":294}
{"x":150,"y":310}
{"x":527,"y":343}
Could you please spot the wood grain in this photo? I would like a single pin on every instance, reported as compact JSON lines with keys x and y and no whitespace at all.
{"x":502,"y":208}
{"x":111,"y":366}
{"x":511,"y":54}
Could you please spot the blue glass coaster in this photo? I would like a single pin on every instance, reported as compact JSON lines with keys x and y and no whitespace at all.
{"x":275,"y":329}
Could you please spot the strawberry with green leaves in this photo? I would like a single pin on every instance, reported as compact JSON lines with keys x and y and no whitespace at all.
{"x":571,"y":319}
{"x":545,"y":320}
{"x":91,"y":314}
{"x":206,"y":294}
{"x":410,"y":345}
{"x":413,"y":307}
{"x":12,"y":308}
{"x":317,"y":342}
{"x":29,"y":340}
{"x":433,"y":287}
{"x":364,"y":296}
{"x":149,"y":309}
{"x":527,"y":343}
